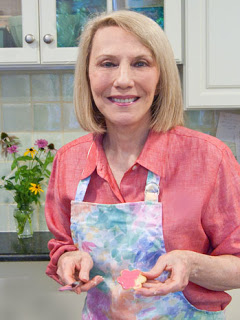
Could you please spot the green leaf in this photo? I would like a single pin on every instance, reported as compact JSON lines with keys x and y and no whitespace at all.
{"x":23,"y":168}
{"x":14,"y":164}
{"x":24,"y":158}
{"x":39,"y":161}
{"x":17,"y":174}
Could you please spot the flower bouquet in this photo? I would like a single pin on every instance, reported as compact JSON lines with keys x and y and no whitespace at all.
{"x":28,"y":173}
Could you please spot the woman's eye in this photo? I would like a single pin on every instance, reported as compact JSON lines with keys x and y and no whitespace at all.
{"x":140,"y":64}
{"x":108,"y":64}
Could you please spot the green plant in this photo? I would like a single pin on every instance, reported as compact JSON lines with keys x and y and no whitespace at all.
{"x":28,"y":172}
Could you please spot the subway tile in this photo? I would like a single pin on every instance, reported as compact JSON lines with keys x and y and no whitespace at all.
{"x":17,"y":117}
{"x":4,"y":217}
{"x":11,"y":222}
{"x":192,"y":118}
{"x":67,"y":86}
{"x":5,"y":197}
{"x":207,"y":118}
{"x":5,"y":169}
{"x":1,"y":118}
{"x":47,"y":117}
{"x":70,"y":136}
{"x":69,"y":118}
{"x":201,"y":120}
{"x":45,"y":87}
{"x":15,"y":88}
{"x":42,"y":220}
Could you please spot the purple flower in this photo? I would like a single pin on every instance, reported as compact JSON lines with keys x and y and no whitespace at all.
{"x":41,"y":143}
{"x":12,"y":149}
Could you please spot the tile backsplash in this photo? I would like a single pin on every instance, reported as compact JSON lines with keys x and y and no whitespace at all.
{"x":39,"y":105}
{"x":35,"y":105}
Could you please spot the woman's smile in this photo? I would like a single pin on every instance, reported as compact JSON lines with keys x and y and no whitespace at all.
{"x":123,"y":100}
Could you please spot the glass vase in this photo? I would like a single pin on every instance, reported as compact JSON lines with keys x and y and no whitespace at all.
{"x":23,"y":219}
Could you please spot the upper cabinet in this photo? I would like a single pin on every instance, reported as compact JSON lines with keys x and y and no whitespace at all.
{"x":19,"y":32}
{"x":212,"y":64}
{"x":47,"y":31}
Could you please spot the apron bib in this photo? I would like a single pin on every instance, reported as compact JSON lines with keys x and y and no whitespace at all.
{"x":126,"y":236}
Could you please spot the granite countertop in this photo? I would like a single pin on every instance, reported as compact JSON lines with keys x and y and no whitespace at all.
{"x":28,"y":249}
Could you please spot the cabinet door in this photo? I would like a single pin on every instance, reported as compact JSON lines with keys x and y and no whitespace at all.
{"x":168,"y":14}
{"x":61,"y":21}
{"x":212,"y":71}
{"x":27,"y":293}
{"x":173,"y":26}
{"x":19,"y":19}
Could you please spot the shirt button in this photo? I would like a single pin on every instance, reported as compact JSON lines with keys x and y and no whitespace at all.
{"x":134,"y":167}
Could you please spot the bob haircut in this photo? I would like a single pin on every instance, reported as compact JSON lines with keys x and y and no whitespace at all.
{"x":167,"y":106}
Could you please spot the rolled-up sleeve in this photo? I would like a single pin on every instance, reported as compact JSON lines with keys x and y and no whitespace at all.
{"x":221,"y":219}
{"x":57,"y":213}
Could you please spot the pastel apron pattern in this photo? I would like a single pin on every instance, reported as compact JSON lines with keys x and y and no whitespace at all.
{"x":126,"y":236}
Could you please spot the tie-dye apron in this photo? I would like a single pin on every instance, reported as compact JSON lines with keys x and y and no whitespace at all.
{"x":126,"y":236}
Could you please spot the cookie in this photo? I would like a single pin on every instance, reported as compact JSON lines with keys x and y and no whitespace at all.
{"x":131,"y":279}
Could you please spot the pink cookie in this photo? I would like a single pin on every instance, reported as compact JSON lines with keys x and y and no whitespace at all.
{"x":131,"y":279}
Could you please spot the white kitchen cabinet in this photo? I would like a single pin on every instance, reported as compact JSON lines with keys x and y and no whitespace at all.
{"x":51,"y":53}
{"x":40,"y":22}
{"x":212,"y":48}
{"x":23,"y":22}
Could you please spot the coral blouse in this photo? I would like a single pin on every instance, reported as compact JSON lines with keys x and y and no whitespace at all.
{"x":199,"y":190}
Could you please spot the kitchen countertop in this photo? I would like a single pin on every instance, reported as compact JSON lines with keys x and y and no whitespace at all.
{"x":28,"y":249}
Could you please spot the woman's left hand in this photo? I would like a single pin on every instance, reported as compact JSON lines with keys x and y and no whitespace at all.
{"x":178,"y":264}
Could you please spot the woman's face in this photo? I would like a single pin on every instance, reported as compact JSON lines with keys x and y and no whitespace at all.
{"x":123,"y":77}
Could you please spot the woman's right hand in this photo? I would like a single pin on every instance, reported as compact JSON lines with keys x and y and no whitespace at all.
{"x":74,"y":266}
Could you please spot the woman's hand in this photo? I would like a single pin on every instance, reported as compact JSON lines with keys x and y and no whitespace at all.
{"x":74,"y":266}
{"x":184,"y":266}
{"x":179,"y":265}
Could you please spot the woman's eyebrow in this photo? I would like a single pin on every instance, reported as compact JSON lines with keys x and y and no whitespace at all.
{"x":113,"y":56}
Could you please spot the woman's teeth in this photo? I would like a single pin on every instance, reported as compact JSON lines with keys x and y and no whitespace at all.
{"x":123,"y":100}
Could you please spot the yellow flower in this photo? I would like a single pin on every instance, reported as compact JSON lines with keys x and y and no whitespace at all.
{"x":32,"y":151}
{"x":35,"y":188}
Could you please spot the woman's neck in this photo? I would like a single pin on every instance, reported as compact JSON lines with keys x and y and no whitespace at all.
{"x":122,"y":148}
{"x":124,"y":141}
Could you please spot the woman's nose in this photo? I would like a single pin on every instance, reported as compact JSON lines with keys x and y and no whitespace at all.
{"x":124,"y":77}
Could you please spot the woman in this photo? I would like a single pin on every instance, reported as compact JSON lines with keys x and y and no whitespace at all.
{"x":149,"y":193}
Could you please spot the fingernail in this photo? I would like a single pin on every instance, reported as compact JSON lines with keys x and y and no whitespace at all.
{"x":85,"y":277}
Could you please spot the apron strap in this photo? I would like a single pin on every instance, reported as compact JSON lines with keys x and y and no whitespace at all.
{"x":152,"y":188}
{"x":82,"y":188}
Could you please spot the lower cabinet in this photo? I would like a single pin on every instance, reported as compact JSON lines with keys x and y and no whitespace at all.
{"x":26,"y":293}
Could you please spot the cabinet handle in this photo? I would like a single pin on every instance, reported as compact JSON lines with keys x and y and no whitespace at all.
{"x":29,"y":38}
{"x":48,"y":38}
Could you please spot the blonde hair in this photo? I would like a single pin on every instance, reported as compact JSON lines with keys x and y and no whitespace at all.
{"x":167,"y":107}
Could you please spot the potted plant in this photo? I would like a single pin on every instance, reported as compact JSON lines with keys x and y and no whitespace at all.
{"x":28,"y":173}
